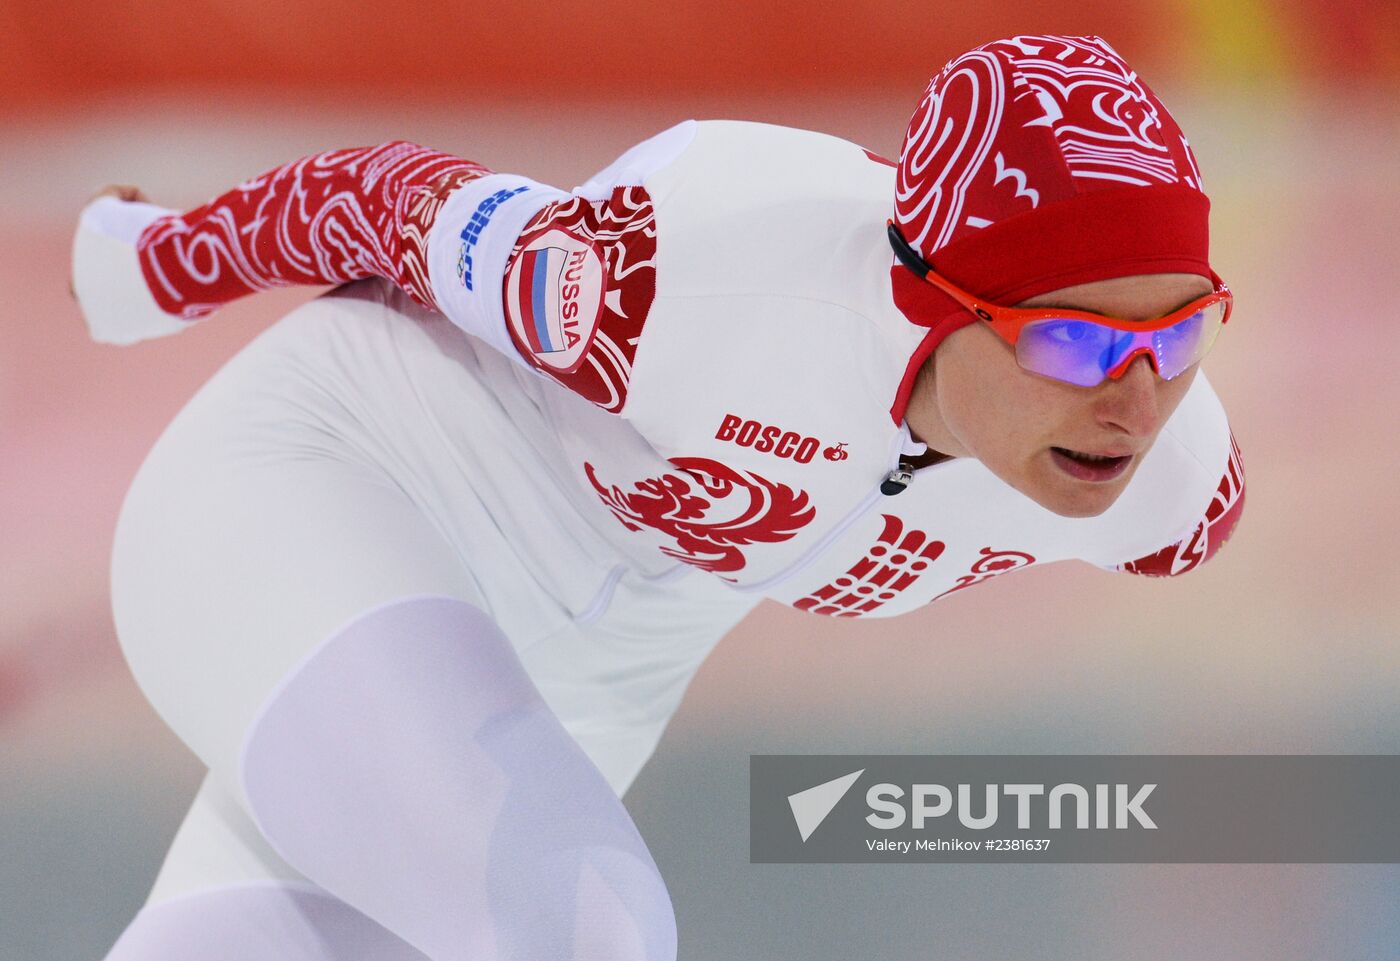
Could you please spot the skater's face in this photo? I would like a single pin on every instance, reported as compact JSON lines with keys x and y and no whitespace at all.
{"x":972,"y":399}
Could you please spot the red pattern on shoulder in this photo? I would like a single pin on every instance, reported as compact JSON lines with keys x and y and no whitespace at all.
{"x":1214,"y":529}
{"x":621,"y":232}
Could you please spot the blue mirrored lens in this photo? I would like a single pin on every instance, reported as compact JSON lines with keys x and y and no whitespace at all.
{"x":1080,"y":352}
{"x":1068,"y":350}
{"x":1185,"y":343}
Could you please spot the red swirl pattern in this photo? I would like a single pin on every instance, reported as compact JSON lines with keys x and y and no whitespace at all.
{"x":328,"y":218}
{"x":710,"y":510}
{"x":1214,"y":529}
{"x":894,"y":562}
{"x":623,"y":228}
{"x":990,"y":563}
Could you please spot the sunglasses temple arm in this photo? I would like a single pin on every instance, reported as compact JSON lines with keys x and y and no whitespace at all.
{"x":906,"y":254}
{"x":910,"y":258}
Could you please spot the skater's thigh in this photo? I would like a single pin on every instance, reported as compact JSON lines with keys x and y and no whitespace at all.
{"x":223,"y":895}
{"x":244,"y":541}
{"x":217,"y":846}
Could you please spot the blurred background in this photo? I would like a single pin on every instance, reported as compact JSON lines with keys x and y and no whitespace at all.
{"x":1285,"y":643}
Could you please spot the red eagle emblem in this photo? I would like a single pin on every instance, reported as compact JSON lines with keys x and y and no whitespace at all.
{"x":710,"y":510}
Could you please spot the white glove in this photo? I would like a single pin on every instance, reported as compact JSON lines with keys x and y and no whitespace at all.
{"x":107,"y":280}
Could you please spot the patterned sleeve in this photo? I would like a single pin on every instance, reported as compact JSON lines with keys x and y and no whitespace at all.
{"x":1210,"y":533}
{"x":561,"y":283}
{"x":328,"y":218}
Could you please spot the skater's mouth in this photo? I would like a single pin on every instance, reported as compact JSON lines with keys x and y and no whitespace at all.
{"x":1093,"y":467}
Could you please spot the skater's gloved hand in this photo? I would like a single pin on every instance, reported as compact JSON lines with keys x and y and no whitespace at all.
{"x":106,"y":280}
{"x":121,"y":192}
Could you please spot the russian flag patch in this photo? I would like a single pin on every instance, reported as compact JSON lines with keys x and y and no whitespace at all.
{"x":554,"y":298}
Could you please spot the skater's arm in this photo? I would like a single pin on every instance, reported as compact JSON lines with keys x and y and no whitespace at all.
{"x":560,"y":283}
{"x":332,"y":217}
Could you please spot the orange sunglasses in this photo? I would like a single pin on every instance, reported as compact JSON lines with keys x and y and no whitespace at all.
{"x":1083,"y":348}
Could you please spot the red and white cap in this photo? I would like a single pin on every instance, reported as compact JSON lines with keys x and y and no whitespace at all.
{"x":1034,"y":163}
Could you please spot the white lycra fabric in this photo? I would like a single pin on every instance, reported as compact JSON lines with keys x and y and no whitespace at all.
{"x":360,"y":451}
{"x":410,"y":766}
{"x":258,"y":921}
{"x":512,"y":201}
{"x":357,"y":456}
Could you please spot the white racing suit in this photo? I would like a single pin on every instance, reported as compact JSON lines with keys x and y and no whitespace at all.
{"x":410,"y":592}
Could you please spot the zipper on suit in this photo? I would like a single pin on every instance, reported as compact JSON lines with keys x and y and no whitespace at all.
{"x":898,"y":476}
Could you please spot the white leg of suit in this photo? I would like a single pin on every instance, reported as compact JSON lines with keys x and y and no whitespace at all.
{"x":258,"y":921}
{"x":437,"y":725}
